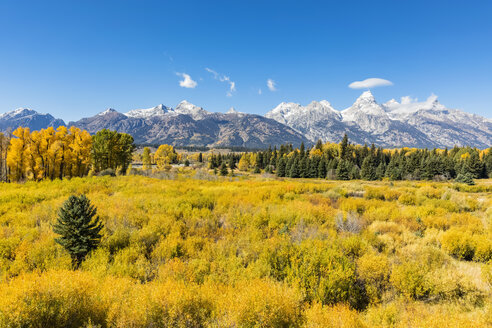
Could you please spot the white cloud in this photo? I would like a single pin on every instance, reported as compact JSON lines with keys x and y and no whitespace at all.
{"x":223,"y":78}
{"x":271,"y":85}
{"x":370,"y":83}
{"x":260,"y":92}
{"x":216,"y":75}
{"x":187,"y":81}
{"x":408,"y":104}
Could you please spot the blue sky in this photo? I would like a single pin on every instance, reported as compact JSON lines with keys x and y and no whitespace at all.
{"x":73,"y":59}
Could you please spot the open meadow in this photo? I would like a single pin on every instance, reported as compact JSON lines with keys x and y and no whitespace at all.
{"x":251,"y":252}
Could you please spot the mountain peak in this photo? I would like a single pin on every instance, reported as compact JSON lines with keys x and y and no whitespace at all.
{"x":158,"y":110}
{"x":108,"y":111}
{"x":187,"y":108}
{"x":19,"y":112}
{"x":366,"y":97}
{"x":232,"y":110}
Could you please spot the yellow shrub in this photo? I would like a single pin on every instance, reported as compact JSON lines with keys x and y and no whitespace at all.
{"x":261,"y":303}
{"x":459,"y":243}
{"x":374,"y":271}
{"x":483,"y":248}
{"x":338,"y":316}
{"x":53,"y":299}
{"x":412,"y":280}
{"x":407,"y":199}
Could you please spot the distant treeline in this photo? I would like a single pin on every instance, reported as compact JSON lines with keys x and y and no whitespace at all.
{"x":56,"y":154}
{"x":60,"y":153}
{"x":346,"y":161}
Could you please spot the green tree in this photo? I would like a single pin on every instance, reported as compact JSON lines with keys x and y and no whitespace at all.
{"x":295,"y":169}
{"x":465,"y":178}
{"x":344,"y":147}
{"x":79,"y":228}
{"x":223,"y":169}
{"x":343,"y":170}
{"x":368,"y":169}
{"x":473,"y":165}
{"x":281,"y":162}
{"x":111,"y":149}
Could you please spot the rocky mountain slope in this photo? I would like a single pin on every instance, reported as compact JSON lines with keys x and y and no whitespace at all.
{"x":190,"y":125}
{"x":393,"y":124}
{"x":27,"y":118}
{"x":402,"y":123}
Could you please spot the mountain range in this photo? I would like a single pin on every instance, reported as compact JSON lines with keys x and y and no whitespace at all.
{"x":404,"y":123}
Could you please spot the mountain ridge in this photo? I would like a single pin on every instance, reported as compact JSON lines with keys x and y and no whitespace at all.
{"x":404,"y":123}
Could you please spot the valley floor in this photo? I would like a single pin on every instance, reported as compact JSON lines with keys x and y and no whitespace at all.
{"x":251,"y":252}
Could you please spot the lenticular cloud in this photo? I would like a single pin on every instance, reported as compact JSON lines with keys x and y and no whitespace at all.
{"x":370,"y":83}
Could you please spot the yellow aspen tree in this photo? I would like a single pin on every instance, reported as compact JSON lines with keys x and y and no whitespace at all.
{"x":36,"y":153}
{"x":244,"y":163}
{"x":16,"y":160}
{"x":164,"y":156}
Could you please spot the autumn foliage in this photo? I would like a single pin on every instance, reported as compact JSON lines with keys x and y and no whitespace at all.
{"x":250,"y":252}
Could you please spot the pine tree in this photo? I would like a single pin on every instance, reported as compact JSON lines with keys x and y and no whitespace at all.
{"x":465,"y":178}
{"x":368,"y":169}
{"x":474,"y":166}
{"x":232,"y":163}
{"x":380,"y":170}
{"x":302,"y":151}
{"x":354,"y":173}
{"x":79,"y":228}
{"x":344,"y":147}
{"x":343,"y":170}
{"x":322,"y":168}
{"x":294,"y":169}
{"x":223,"y":169}
{"x":281,"y":162}
{"x":488,"y":162}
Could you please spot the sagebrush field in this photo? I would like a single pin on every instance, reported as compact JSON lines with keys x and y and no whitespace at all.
{"x":251,"y":252}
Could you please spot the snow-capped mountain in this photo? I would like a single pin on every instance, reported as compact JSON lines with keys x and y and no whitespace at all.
{"x":194,"y":111}
{"x":441,"y":124}
{"x":158,"y":110}
{"x":29,"y":118}
{"x":392,"y":124}
{"x":404,"y":123}
{"x":191,"y":125}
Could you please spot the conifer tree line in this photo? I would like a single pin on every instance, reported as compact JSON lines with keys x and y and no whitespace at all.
{"x":61,"y":153}
{"x":345,"y":161}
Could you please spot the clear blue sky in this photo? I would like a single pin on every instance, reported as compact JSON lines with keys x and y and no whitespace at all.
{"x":75,"y":58}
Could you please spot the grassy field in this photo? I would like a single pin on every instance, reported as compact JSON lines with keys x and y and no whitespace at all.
{"x":251,"y":252}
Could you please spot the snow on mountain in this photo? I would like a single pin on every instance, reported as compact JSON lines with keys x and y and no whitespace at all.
{"x":187,"y":108}
{"x":365,"y":104}
{"x":392,"y":124}
{"x":19,"y":112}
{"x":158,"y":110}
{"x":407,"y":122}
{"x":29,"y":118}
{"x":233,"y":111}
{"x":108,"y":111}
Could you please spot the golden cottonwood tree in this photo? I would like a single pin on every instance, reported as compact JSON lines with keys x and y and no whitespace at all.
{"x":4,"y":144}
{"x":164,"y":156}
{"x":48,"y":153}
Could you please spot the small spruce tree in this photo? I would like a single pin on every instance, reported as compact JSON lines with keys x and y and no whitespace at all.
{"x":79,"y":228}
{"x":343,"y":170}
{"x":223,"y":169}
